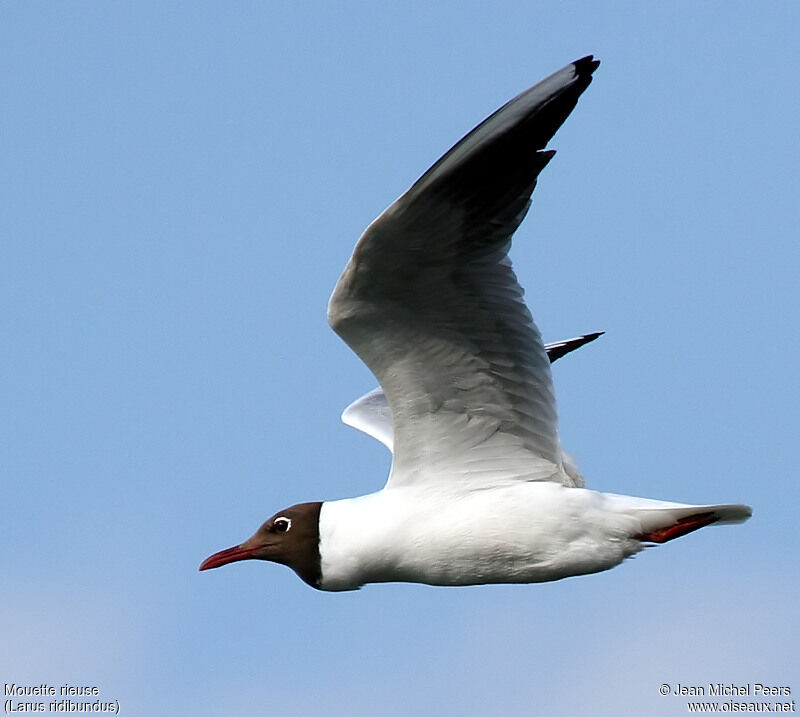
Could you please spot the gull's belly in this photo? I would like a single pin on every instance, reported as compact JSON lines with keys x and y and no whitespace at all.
{"x":529,"y":532}
{"x":510,"y":542}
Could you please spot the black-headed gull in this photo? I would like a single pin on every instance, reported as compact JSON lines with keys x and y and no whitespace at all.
{"x":480,"y":490}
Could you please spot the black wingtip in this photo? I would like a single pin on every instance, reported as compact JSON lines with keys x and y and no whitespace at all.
{"x":562,"y":348}
{"x":593,"y":336}
{"x":586,"y":65}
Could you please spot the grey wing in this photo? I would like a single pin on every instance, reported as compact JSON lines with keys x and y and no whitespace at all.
{"x":430,"y":303}
{"x":372,"y":415}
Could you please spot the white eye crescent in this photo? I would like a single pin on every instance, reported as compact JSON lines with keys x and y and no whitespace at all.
{"x":282,"y":524}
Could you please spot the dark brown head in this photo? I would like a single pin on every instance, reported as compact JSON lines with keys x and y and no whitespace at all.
{"x":290,"y":537}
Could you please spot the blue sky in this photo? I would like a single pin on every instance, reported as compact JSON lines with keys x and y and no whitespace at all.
{"x":183,"y":184}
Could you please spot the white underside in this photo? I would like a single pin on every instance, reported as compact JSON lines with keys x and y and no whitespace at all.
{"x":522,"y":533}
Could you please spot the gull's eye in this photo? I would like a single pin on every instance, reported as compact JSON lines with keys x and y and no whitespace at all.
{"x":281,"y":525}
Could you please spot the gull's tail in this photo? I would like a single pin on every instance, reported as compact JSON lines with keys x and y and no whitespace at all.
{"x":661,"y":521}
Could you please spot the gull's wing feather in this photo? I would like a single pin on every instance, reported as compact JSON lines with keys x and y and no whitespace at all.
{"x":430,"y":303}
{"x":371,"y":413}
{"x":557,"y":349}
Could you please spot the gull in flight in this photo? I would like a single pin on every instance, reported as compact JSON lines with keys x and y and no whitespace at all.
{"x":480,"y":490}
